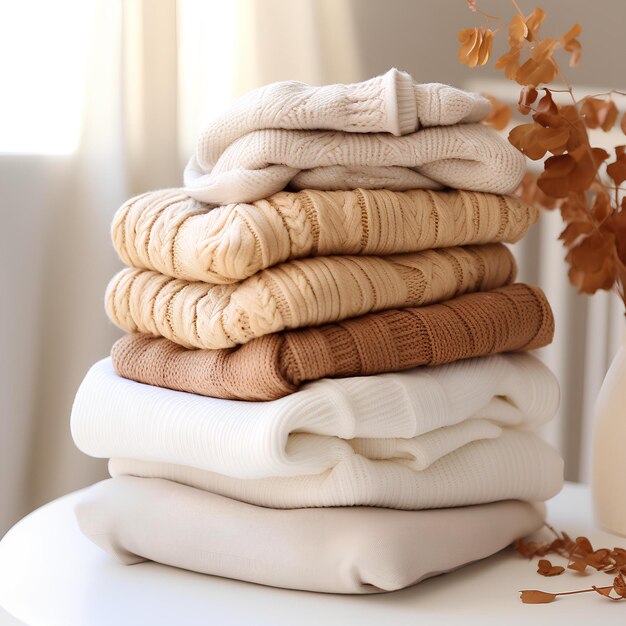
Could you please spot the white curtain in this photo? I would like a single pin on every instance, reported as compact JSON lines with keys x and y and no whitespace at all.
{"x":156,"y":69}
{"x":56,"y":252}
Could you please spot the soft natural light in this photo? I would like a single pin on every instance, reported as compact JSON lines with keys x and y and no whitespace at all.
{"x":206,"y":63}
{"x":42,"y":75}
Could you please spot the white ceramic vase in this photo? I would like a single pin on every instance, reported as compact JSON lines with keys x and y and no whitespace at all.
{"x":609,"y":447}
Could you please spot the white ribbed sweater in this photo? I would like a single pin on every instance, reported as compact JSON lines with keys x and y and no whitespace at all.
{"x":516,"y":465}
{"x":396,"y":416}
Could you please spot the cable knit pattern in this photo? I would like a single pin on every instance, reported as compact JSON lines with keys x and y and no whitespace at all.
{"x":515,"y":465}
{"x":263,"y":162}
{"x":169,"y":232}
{"x":392,"y":103}
{"x":413,"y":418}
{"x":517,"y":317}
{"x":340,"y":550}
{"x":301,"y":293}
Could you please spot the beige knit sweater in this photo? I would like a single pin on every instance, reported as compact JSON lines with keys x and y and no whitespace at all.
{"x":391,"y":103}
{"x":466,"y":156}
{"x":348,"y":136}
{"x":516,"y":317}
{"x":169,"y":232}
{"x":308,"y":292}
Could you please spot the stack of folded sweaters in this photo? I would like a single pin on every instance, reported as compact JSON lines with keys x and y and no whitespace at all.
{"x":325,"y":388}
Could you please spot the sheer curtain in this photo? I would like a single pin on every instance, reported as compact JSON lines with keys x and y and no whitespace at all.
{"x":56,"y":252}
{"x":156,"y":69}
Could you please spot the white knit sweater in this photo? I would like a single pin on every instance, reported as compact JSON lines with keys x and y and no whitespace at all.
{"x":516,"y":465}
{"x":396,"y":416}
{"x":348,"y":136}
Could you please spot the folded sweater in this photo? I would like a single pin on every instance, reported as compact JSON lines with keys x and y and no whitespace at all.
{"x":263,"y":162}
{"x":307,"y":292}
{"x":348,"y":136}
{"x":323,"y":424}
{"x":392,"y":103}
{"x":512,"y":318}
{"x":174,"y":234}
{"x":341,"y":550}
{"x":514,"y":464}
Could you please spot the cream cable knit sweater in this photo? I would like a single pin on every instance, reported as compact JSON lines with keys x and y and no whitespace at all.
{"x":415,"y":417}
{"x":171,"y":233}
{"x":300,"y":293}
{"x":466,"y":156}
{"x":273,"y":133}
{"x":391,"y":103}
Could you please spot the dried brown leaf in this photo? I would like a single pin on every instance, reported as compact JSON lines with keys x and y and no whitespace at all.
{"x":533,"y":596}
{"x":545,"y":568}
{"x":617,"y":169}
{"x":510,"y":63}
{"x":476,"y":46}
{"x":527,"y":96}
{"x":574,"y":171}
{"x":572,"y":45}
{"x":517,"y":31}
{"x":535,"y":140}
{"x":500,"y":114}
{"x":534,"y":22}
{"x":578,"y":566}
{"x":592,"y":263}
{"x":599,"y":113}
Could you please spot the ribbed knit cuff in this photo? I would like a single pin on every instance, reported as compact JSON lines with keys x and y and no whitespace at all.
{"x":400,"y":102}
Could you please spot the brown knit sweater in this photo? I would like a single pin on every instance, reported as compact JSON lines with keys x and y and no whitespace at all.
{"x":512,"y":318}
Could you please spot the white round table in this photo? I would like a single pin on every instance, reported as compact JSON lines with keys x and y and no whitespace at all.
{"x":51,"y":575}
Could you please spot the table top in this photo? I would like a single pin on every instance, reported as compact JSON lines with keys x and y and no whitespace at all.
{"x":51,"y":575}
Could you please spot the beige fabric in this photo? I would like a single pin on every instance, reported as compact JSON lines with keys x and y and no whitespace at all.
{"x":348,"y":136}
{"x":171,"y":233}
{"x":263,"y":162}
{"x":340,"y":550}
{"x":300,"y":293}
{"x":390,"y":103}
{"x":512,"y":318}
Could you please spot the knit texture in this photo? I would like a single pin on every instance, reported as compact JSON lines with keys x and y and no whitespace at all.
{"x":516,"y":465}
{"x":417,"y":416}
{"x":171,"y":233}
{"x":263,"y":162}
{"x":307,"y":292}
{"x":341,"y":550}
{"x":392,"y":103}
{"x":517,"y":317}
{"x":348,"y":136}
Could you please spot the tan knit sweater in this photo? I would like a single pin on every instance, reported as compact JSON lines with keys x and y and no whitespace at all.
{"x":511,"y":318}
{"x":171,"y":233}
{"x":308,"y":292}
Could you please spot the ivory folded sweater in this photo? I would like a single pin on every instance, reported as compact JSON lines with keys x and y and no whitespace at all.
{"x":257,"y":165}
{"x":348,"y":136}
{"x":515,"y":465}
{"x":326,"y":422}
{"x":341,"y":550}
{"x":392,"y":103}
{"x":308,"y":292}
{"x":174,"y":234}
{"x":512,"y":318}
